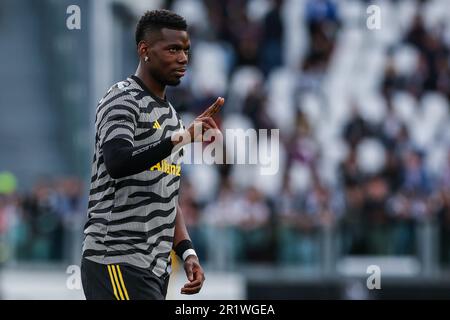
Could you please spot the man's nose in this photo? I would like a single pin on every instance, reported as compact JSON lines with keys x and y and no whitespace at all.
{"x":183,"y":57}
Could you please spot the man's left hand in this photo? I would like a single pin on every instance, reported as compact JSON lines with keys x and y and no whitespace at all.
{"x":195,"y":275}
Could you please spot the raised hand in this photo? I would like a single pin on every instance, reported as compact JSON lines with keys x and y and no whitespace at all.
{"x":200,"y":124}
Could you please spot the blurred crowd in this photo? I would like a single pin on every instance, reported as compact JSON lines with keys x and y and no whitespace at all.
{"x":40,"y":225}
{"x":379,"y":210}
{"x":375,"y":211}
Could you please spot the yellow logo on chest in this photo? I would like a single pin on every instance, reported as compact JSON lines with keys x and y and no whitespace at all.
{"x":165,"y":166}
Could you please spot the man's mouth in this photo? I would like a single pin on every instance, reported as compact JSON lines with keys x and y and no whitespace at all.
{"x":180,"y":72}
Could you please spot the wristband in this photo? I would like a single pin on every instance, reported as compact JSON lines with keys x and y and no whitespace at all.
{"x":184,"y":249}
{"x":188,"y":252}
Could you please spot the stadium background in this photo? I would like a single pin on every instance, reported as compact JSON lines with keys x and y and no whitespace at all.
{"x":364,"y":125}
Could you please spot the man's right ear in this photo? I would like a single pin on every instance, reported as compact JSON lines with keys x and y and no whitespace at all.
{"x":142,"y":49}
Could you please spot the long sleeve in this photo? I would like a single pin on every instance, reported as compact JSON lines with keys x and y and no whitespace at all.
{"x":122,"y":159}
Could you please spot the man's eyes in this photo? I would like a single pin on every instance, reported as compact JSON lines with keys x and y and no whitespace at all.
{"x":176,"y":50}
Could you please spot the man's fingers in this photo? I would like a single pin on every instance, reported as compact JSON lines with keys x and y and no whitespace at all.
{"x":189,"y":274}
{"x":207,"y":112}
{"x":200,"y":123}
{"x":210,"y":122}
{"x":204,"y":126}
{"x":193,"y":284}
{"x":191,"y":290}
{"x":214,"y":108}
{"x":192,"y":287}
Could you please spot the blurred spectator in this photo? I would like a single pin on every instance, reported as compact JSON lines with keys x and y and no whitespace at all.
{"x":403,"y":224}
{"x":220,"y":220}
{"x":318,"y":11}
{"x":245,"y":34}
{"x":415,"y":178}
{"x":391,"y":81}
{"x":323,"y":25}
{"x":12,"y":227}
{"x":356,"y":128}
{"x":297,"y":230}
{"x":417,"y":33}
{"x":254,"y":225}
{"x":272,"y":38}
{"x":375,"y":210}
{"x":354,"y":224}
{"x":302,"y":146}
{"x":392,"y":171}
{"x":45,"y":225}
{"x":442,"y":209}
{"x":255,"y":108}
{"x":351,"y":174}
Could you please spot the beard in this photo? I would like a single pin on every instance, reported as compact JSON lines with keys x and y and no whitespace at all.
{"x":167,"y":80}
{"x":173,"y":82}
{"x":163,"y":77}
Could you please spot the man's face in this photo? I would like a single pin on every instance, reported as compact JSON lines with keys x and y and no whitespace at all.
{"x":168,"y":56}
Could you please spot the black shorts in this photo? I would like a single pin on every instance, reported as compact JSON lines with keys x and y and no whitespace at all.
{"x":121,"y":282}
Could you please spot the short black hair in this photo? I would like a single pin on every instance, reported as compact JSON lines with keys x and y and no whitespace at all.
{"x":158,"y":19}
